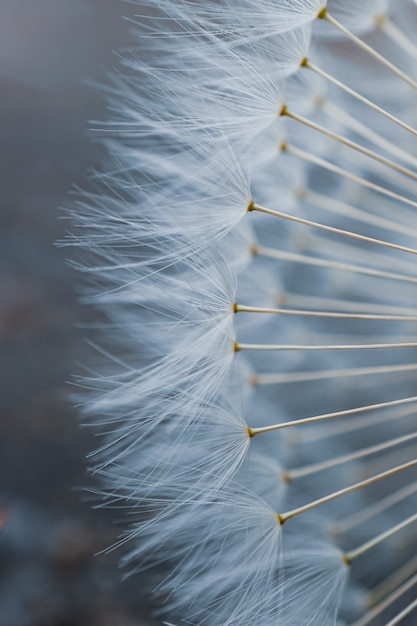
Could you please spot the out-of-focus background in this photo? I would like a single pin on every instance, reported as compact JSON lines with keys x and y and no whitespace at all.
{"x":50,"y":574}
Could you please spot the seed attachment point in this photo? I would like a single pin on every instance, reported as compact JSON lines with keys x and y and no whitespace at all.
{"x":280,"y":519}
{"x":249,"y":432}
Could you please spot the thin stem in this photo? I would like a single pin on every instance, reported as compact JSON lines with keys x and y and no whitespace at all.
{"x":331,"y":167}
{"x":329,"y":247}
{"x":352,"y":555}
{"x":326,"y":416}
{"x":283,"y":255}
{"x":331,"y":205}
{"x":240,"y":308}
{"x":307,"y":470}
{"x":349,"y":338}
{"x":283,"y":517}
{"x":353,"y":424}
{"x":384,"y":604}
{"x":399,"y":37}
{"x":317,"y":301}
{"x":374,"y":509}
{"x":295,"y":377}
{"x":390,"y":459}
{"x":349,"y":143}
{"x":392,"y":582}
{"x":402,"y":614}
{"x":387,"y":175}
{"x":332,"y":229}
{"x":368,"y":49}
{"x":238,"y":347}
{"x":359,"y":128}
{"x":357,"y":96}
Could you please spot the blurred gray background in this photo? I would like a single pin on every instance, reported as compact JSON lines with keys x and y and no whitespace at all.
{"x":48,"y":532}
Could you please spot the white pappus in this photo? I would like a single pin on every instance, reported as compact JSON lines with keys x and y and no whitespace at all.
{"x":252,"y":249}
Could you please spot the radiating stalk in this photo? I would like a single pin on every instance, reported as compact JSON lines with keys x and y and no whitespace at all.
{"x":331,"y":167}
{"x":283,"y":517}
{"x":306,"y":63}
{"x":325,"y":15}
{"x":326,"y":416}
{"x":352,"y":555}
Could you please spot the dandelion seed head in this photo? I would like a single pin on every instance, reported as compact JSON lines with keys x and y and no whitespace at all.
{"x":251,"y":247}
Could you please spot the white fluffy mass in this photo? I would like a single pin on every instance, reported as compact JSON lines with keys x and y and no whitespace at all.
{"x":251,"y":248}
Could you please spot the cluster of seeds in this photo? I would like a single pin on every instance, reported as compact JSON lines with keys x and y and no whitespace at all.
{"x":251,"y":246}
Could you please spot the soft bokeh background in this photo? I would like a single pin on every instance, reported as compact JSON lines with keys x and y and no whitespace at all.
{"x":49,"y":533}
